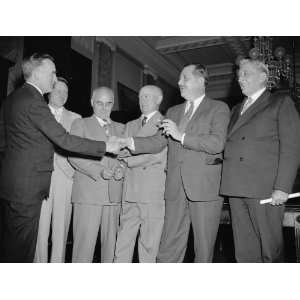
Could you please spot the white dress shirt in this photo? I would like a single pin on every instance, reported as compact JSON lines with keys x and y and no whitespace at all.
{"x":57,"y":112}
{"x":149,"y":116}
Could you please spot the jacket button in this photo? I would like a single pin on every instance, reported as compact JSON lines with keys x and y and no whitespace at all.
{"x":241,"y":158}
{"x":243,"y":138}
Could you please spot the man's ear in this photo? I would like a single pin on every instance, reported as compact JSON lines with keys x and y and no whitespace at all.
{"x":201,"y":80}
{"x":263,"y":77}
{"x":159,"y":100}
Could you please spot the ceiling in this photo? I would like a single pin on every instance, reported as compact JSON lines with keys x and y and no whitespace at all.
{"x":217,"y":53}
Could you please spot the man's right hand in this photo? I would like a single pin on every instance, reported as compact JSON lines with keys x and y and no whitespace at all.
{"x":127,"y":143}
{"x":107,"y":174}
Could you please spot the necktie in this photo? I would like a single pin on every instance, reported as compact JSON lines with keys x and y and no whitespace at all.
{"x":56,"y":115}
{"x":186,"y":117}
{"x":144,"y":121}
{"x":247,"y":104}
{"x":106,"y":128}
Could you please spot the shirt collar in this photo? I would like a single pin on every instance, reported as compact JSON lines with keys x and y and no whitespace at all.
{"x":35,"y":86}
{"x":56,"y":110}
{"x":149,"y":116}
{"x":197,"y":102}
{"x":257,"y":94}
{"x":103,"y":122}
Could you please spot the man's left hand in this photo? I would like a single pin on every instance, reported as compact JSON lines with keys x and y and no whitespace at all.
{"x":279,"y":197}
{"x":170,"y":128}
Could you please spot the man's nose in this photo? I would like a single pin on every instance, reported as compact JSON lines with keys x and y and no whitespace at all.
{"x":55,"y":79}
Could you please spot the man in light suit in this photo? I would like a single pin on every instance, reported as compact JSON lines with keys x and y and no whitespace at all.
{"x":143,"y":205}
{"x":97,"y":186}
{"x":260,"y":161}
{"x":195,"y":133}
{"x":30,"y":132}
{"x":58,"y":205}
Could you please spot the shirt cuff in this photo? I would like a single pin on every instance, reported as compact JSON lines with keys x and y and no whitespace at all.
{"x":182,"y":138}
{"x":132,"y":146}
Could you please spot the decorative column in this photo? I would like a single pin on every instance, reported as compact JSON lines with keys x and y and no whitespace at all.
{"x":103,"y":64}
{"x":15,"y":77}
{"x":149,"y":76}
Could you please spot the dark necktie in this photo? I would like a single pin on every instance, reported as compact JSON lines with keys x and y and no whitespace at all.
{"x":186,"y":118}
{"x":144,"y":121}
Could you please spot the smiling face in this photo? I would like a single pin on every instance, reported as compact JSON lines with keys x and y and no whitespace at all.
{"x":59,"y":95}
{"x":251,"y":78}
{"x":102,"y":102}
{"x":191,"y":84}
{"x":150,"y":98}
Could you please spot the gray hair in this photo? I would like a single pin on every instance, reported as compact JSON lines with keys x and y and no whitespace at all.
{"x":31,"y":63}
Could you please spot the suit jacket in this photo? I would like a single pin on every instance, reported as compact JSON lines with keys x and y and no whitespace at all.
{"x":262,"y":148}
{"x":60,"y":157}
{"x":30,"y":131}
{"x":195,"y":160}
{"x":88,"y":185}
{"x":145,"y":176}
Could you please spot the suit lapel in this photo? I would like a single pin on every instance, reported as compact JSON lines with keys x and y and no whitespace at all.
{"x":149,"y":125}
{"x":235,"y":115}
{"x":96,"y":129}
{"x":202,"y":107}
{"x":258,"y":105}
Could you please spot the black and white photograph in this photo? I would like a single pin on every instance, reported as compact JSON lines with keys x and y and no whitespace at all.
{"x":176,"y":150}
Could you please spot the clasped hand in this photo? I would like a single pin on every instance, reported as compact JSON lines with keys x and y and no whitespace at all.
{"x":170,"y":128}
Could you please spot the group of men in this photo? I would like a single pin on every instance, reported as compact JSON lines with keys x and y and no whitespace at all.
{"x":156,"y":175}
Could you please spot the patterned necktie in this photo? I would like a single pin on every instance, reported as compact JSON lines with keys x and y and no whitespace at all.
{"x":247,"y":104}
{"x":106,"y":128}
{"x":186,"y":118}
{"x":144,"y":121}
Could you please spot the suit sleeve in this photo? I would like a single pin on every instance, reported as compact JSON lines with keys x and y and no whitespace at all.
{"x":88,"y":167}
{"x":62,"y":161}
{"x":144,"y":160}
{"x":40,"y":115}
{"x":152,"y":144}
{"x":214,"y":141}
{"x":289,"y":146}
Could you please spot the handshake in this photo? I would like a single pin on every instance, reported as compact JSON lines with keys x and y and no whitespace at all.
{"x":116,"y":144}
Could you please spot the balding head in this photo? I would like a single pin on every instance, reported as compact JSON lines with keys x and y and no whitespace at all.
{"x":102,"y":102}
{"x":150,"y":97}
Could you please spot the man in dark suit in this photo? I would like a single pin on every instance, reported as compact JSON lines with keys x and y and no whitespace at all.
{"x":260,"y":161}
{"x":30,"y":132}
{"x":195,"y":133}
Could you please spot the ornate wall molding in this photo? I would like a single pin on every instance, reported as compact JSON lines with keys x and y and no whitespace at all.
{"x":182,"y":43}
{"x":137,"y":48}
{"x":84,"y":45}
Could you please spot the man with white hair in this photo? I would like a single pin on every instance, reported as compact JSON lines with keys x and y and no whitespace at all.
{"x":143,"y":205}
{"x":261,"y":158}
{"x":97,"y":185}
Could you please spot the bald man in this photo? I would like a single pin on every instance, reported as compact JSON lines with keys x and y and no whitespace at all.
{"x":97,"y":184}
{"x":143,"y":206}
